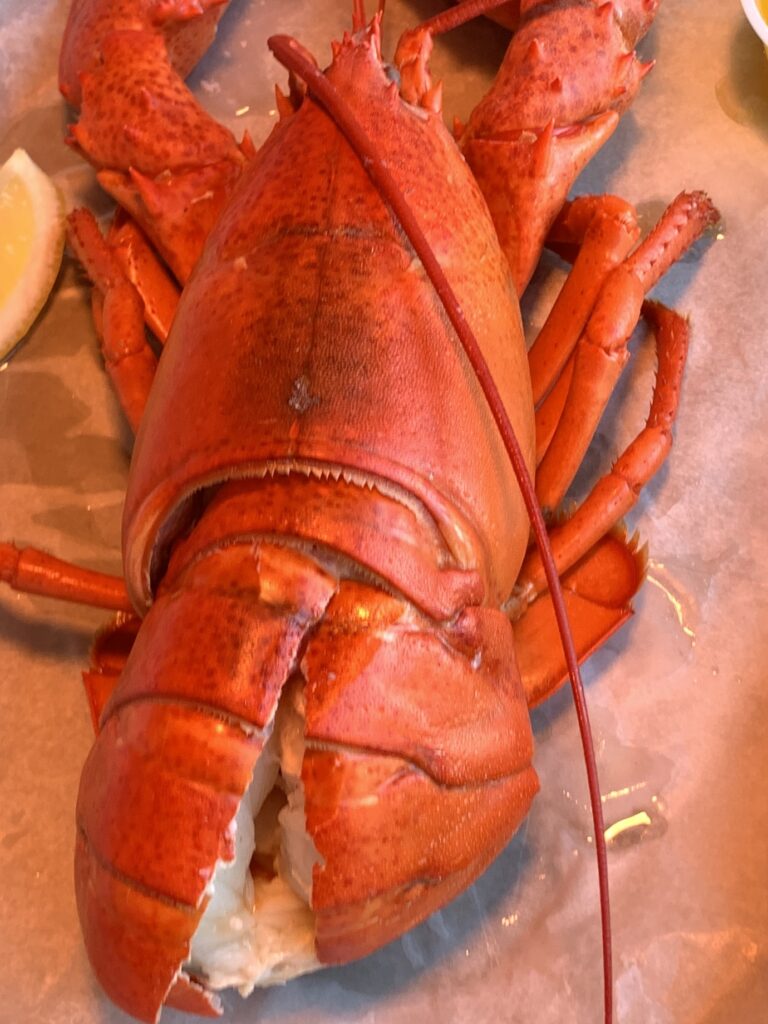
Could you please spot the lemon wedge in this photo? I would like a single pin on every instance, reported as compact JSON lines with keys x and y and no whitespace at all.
{"x":31,"y":245}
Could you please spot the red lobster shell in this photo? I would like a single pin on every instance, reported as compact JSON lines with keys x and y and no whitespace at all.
{"x":308,"y":292}
{"x":320,"y":545}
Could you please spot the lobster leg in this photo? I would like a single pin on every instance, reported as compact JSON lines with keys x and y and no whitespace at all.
{"x":602,"y":571}
{"x":605,"y":229}
{"x":617,"y":492}
{"x":602,"y":351}
{"x":31,"y":571}
{"x":35,"y":572}
{"x":129,"y":361}
{"x":550,"y":412}
{"x":146,"y":273}
{"x":118,"y":316}
{"x":124,"y":255}
{"x":582,"y":229}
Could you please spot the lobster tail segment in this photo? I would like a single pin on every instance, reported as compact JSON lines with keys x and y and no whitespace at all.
{"x":393,"y":767}
{"x":179,"y":742}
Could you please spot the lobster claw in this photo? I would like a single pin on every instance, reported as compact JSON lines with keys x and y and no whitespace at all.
{"x":549,"y":110}
{"x":187,"y":26}
{"x":526,"y":179}
{"x":173,"y":181}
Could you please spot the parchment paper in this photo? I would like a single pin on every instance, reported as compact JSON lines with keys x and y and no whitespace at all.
{"x":678,"y":698}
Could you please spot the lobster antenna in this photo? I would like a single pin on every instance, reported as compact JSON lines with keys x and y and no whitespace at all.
{"x":289,"y":53}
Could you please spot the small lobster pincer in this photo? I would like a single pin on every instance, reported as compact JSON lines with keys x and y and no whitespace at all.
{"x":312,"y":712}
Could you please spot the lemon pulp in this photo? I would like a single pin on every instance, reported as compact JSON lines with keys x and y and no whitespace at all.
{"x":31,"y":245}
{"x":17,"y":216}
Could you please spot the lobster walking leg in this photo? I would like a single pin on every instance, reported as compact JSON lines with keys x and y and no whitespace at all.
{"x":124,"y":256}
{"x":129,"y":361}
{"x":602,"y":231}
{"x":602,"y":350}
{"x":601,"y":570}
{"x":550,"y":411}
{"x":617,"y":492}
{"x":119,"y":315}
{"x":606,"y":228}
{"x":146,"y":273}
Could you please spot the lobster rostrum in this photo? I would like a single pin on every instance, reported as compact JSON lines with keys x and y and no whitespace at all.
{"x":312,"y":715}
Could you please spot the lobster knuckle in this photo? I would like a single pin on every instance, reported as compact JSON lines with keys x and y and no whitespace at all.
{"x":146,"y":143}
{"x":187,"y":33}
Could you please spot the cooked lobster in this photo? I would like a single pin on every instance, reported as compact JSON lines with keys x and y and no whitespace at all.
{"x":312,"y":717}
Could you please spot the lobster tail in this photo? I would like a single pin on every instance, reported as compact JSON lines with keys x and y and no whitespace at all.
{"x":376,"y":736}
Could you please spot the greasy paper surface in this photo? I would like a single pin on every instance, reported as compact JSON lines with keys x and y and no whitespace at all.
{"x":678,"y":698}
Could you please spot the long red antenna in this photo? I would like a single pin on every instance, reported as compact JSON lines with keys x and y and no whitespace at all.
{"x":289,"y":54}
